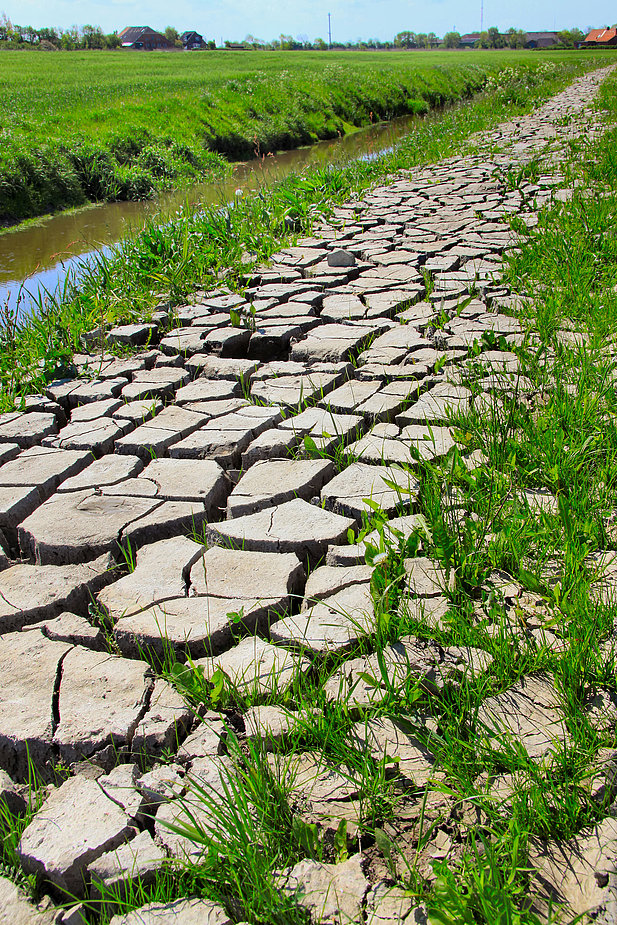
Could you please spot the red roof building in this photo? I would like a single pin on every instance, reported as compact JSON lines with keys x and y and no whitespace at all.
{"x":601,"y":37}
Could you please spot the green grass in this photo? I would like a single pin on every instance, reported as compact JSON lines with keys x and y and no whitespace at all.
{"x":566,"y":441}
{"x":100,"y":126}
{"x":169,"y":260}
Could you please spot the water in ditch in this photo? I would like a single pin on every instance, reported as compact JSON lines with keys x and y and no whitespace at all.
{"x":38,"y":257}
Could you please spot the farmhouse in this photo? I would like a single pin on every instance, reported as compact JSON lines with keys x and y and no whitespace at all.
{"x":191,"y":40}
{"x":470,"y":40}
{"x":541,"y":39}
{"x":143,"y":38}
{"x":601,"y":37}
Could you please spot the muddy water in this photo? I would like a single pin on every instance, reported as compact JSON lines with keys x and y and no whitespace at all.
{"x":39,"y":257}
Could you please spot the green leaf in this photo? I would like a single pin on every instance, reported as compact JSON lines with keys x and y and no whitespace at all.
{"x":340,"y":842}
{"x":310,"y":446}
{"x":307,"y":837}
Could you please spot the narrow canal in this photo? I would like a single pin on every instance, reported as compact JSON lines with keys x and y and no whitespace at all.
{"x":38,"y":258}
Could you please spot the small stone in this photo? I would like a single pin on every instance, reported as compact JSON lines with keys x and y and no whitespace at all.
{"x":272,"y":444}
{"x":268,"y":725}
{"x":390,"y":905}
{"x":273,"y":482}
{"x":139,"y":860}
{"x":78,"y":526}
{"x":102,"y":698}
{"x":429,"y":442}
{"x":327,"y":580}
{"x":165,"y":782}
{"x":155,"y":383}
{"x":179,"y":912}
{"x":16,"y":504}
{"x":77,"y":824}
{"x":601,"y":709}
{"x":386,"y":740}
{"x":12,"y":797}
{"x":207,"y":739}
{"x":330,"y":343}
{"x":134,"y":335}
{"x":163,"y":727}
{"x":211,"y":773}
{"x":341,"y":258}
{"x":205,"y":390}
{"x":76,"y":915}
{"x":68,"y":627}
{"x":359,"y":486}
{"x":30,"y":593}
{"x":425,"y":578}
{"x":527,"y":715}
{"x":138,"y":411}
{"x":334,"y":624}
{"x":161,"y":573}
{"x":172,"y":425}
{"x":256,"y":667}
{"x":310,"y":777}
{"x":28,"y":662}
{"x":44,"y":468}
{"x":576,"y":874}
{"x":326,"y":429}
{"x":16,"y":909}
{"x":109,"y":470}
{"x":97,"y":437}
{"x":27,"y":430}
{"x":95,"y":410}
{"x":119,"y":785}
{"x":332,"y":894}
{"x":294,"y":526}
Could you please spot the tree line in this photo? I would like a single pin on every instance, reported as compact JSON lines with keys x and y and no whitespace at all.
{"x":79,"y":38}
{"x":489,"y":38}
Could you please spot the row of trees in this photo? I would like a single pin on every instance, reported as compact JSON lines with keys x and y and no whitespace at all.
{"x":93,"y":37}
{"x":303,"y":43}
{"x":490,"y":38}
{"x":87,"y":37}
{"x":76,"y":37}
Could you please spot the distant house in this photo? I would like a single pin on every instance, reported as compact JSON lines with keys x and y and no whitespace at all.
{"x":143,"y":38}
{"x":602,"y":37}
{"x":470,"y":40}
{"x":191,"y":40}
{"x":541,"y":39}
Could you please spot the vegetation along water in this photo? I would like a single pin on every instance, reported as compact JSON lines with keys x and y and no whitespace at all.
{"x":91,"y":126}
{"x":167,"y":260}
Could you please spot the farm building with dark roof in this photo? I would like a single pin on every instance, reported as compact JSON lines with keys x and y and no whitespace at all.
{"x":143,"y":38}
{"x":469,"y":40}
{"x":191,"y":40}
{"x":541,"y":39}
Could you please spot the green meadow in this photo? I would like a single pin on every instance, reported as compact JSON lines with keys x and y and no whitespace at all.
{"x":95,"y":126}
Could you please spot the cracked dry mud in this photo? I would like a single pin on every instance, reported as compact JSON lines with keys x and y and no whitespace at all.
{"x":206,"y":435}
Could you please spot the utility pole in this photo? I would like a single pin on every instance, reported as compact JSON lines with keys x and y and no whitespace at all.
{"x":329,"y":31}
{"x":481,"y":15}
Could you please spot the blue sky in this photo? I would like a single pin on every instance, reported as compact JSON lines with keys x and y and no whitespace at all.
{"x":351,"y":19}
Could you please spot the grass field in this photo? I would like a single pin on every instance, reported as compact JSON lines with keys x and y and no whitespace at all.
{"x":100,"y":126}
{"x":169,"y":259}
{"x":567,"y":442}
